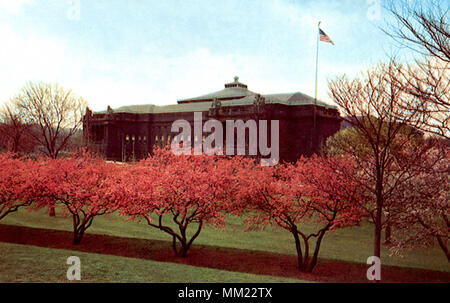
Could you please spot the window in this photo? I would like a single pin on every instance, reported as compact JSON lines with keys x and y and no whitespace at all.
{"x":156,"y":138}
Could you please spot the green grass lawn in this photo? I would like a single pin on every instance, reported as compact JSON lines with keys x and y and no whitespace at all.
{"x":349,"y":244}
{"x":22,"y":263}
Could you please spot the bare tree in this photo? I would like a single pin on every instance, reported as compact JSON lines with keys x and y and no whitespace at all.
{"x":428,"y":86}
{"x":424,"y":28}
{"x":14,"y":129}
{"x":372,"y":105}
{"x":56,"y":114}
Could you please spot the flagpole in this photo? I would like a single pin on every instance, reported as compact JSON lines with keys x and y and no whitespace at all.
{"x":315,"y":95}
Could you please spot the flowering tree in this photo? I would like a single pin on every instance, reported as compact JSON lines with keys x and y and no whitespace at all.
{"x":405,"y":153}
{"x":313,"y":192}
{"x":423,"y":206}
{"x":190,"y":191}
{"x":16,"y":186}
{"x":86,"y":186}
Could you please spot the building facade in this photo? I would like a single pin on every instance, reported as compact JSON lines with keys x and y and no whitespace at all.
{"x":130,"y":132}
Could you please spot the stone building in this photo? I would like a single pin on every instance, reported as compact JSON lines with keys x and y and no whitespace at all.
{"x":130,"y":132}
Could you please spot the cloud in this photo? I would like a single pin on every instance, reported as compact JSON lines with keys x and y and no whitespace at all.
{"x":31,"y":58}
{"x":114,"y":78}
{"x":159,"y":79}
{"x":151,"y":78}
{"x":121,"y":76}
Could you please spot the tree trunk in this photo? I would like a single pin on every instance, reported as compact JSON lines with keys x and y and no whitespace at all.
{"x":76,"y":239}
{"x":298,"y":247}
{"x":313,"y":261}
{"x":377,"y":237}
{"x":16,"y":145}
{"x":77,"y":236}
{"x":444,"y":247}
{"x":184,"y":250}
{"x":185,"y":244}
{"x":378,"y":216}
{"x":51,"y":210}
{"x":78,"y":230}
{"x":387,"y":235}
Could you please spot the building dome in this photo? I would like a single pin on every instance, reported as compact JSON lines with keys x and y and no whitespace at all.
{"x":236,"y":83}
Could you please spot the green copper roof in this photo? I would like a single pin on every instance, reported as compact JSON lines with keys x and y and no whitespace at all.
{"x":285,"y":99}
{"x":232,"y":92}
{"x":295,"y":99}
{"x":156,"y":109}
{"x":236,"y":90}
{"x":233,"y":89}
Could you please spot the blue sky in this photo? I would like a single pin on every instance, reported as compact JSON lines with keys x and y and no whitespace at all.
{"x":138,"y":52}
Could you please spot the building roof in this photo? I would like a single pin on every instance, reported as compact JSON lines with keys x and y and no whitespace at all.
{"x":234,"y":89}
{"x":234,"y":94}
{"x":156,"y":109}
{"x":296,"y":98}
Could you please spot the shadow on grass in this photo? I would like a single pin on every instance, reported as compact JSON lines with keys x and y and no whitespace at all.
{"x":231,"y":259}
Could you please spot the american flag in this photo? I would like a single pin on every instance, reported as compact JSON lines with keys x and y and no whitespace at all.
{"x":324,"y":37}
